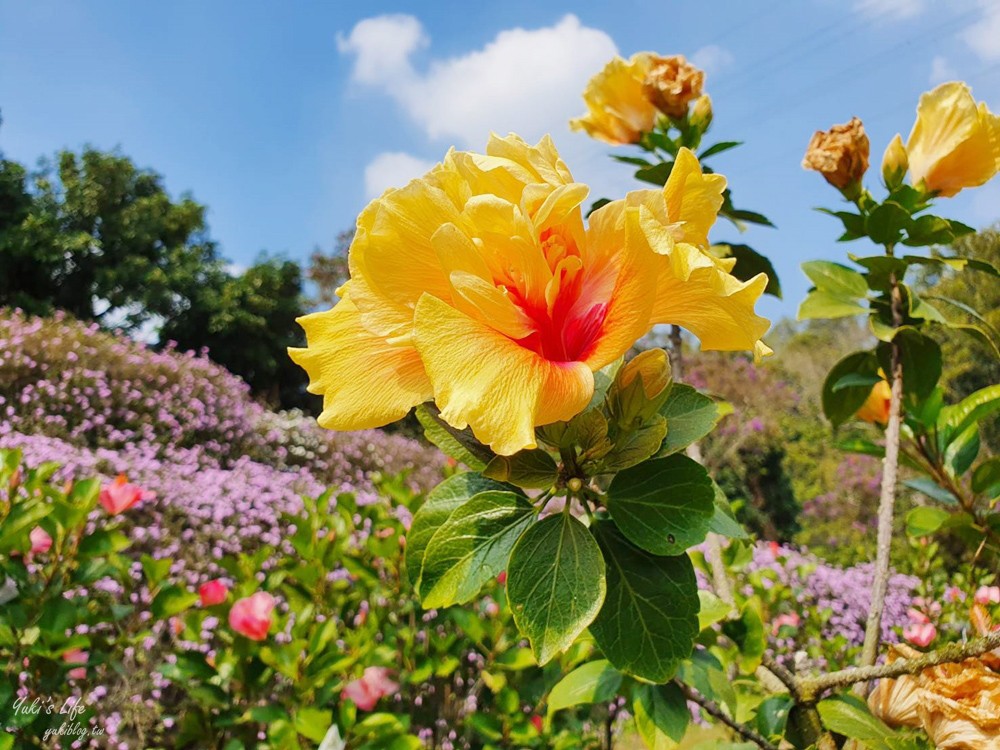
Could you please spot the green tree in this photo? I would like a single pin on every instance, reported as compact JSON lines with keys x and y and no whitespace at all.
{"x":247,"y":322}
{"x":96,"y":236}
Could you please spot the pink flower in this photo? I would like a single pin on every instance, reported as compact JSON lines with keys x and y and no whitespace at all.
{"x":536,"y":722}
{"x":988,"y":595}
{"x":917,"y":617}
{"x":213,"y":592}
{"x":119,"y":496}
{"x":252,"y":616}
{"x":920,"y":634}
{"x":369,"y":688}
{"x":41,"y":542}
{"x":76,"y":656}
{"x":954,"y":594}
{"x":791,"y":620}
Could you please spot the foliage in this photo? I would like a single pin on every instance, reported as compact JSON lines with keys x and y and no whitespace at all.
{"x":246,"y":323}
{"x":94,"y":235}
{"x":328,"y":271}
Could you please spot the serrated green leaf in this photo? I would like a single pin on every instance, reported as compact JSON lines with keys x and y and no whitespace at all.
{"x":593,"y":682}
{"x":664,"y":505}
{"x":472,"y":547}
{"x":690,"y":416}
{"x":887,"y":222}
{"x":635,"y":446}
{"x":661,"y":715}
{"x":453,"y":492}
{"x":555,"y":584}
{"x":459,"y":444}
{"x":530,"y":469}
{"x":649,"y":620}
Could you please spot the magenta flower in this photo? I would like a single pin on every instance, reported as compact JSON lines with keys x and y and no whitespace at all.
{"x":252,"y":616}
{"x":370,"y":687}
{"x":41,"y":542}
{"x":76,"y":656}
{"x":988,"y":595}
{"x":920,"y":634}
{"x":119,"y":496}
{"x":213,"y":592}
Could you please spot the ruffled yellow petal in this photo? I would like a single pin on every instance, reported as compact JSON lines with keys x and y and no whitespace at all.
{"x":365,"y":382}
{"x":954,"y":143}
{"x":623,"y":263}
{"x":618,"y":108}
{"x":484,"y":380}
{"x":693,"y":198}
{"x":694,"y":293}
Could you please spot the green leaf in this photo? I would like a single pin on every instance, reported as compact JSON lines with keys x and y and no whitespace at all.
{"x":690,"y":416}
{"x":856,"y":380}
{"x":22,"y":518}
{"x":441,"y":502}
{"x":663,"y":506}
{"x":962,"y":451}
{"x":772,"y":716}
{"x":635,"y":446}
{"x":749,"y":263}
{"x":887,"y":222}
{"x":711,"y":609}
{"x":555,"y":584}
{"x":661,"y":715}
{"x":531,"y":469}
{"x":737,"y":215}
{"x":155,"y":570}
{"x":854,"y":224}
{"x":594,"y":682}
{"x":839,"y":405}
{"x":921,"y":359}
{"x":718,"y":148}
{"x":820,"y":304}
{"x":312,"y":723}
{"x":723,"y":519}
{"x":649,"y":620}
{"x":472,"y":547}
{"x":849,"y":716}
{"x":655,"y":175}
{"x":971,"y":410}
{"x":986,"y":477}
{"x":459,"y":444}
{"x":925,"y":520}
{"x":836,"y":279}
{"x":930,"y":488}
{"x":748,"y":634}
{"x":172,"y":600}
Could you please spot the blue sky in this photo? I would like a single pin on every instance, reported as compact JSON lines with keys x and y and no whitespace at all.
{"x":285,"y":118}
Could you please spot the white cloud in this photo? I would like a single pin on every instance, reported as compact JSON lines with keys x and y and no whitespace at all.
{"x":894,"y":9}
{"x":712,"y":58}
{"x":526,"y":80}
{"x":941,"y":70}
{"x":382,"y":47}
{"x":392,"y":169}
{"x":982,"y":36}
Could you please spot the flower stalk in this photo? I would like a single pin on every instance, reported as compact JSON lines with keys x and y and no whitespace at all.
{"x":887,"y":499}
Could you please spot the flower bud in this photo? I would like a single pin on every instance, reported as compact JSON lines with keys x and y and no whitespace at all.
{"x":894,"y":163}
{"x":701,"y":113}
{"x":641,"y":387}
{"x":840,"y":155}
{"x":875,"y":409}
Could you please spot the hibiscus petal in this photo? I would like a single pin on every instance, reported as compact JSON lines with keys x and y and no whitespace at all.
{"x":365,"y":381}
{"x":484,"y":380}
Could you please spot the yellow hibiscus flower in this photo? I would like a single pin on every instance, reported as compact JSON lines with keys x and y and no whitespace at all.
{"x":955,"y":143}
{"x":875,"y":409}
{"x":479,"y":286}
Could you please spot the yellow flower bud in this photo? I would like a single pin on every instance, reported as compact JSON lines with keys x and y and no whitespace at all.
{"x":894,"y":163}
{"x":701,"y":113}
{"x":875,"y":409}
{"x":642,"y":386}
{"x":840,"y":155}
